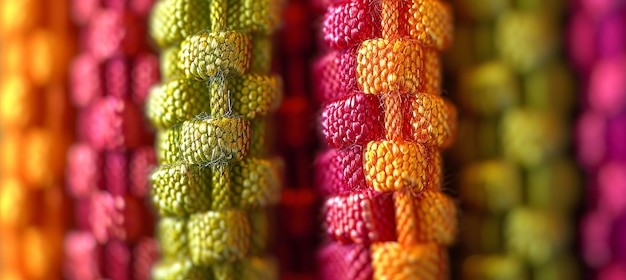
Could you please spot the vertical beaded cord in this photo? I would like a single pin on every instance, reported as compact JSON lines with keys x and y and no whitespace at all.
{"x":214,"y":180}
{"x":597,"y":43}
{"x":109,"y":164}
{"x":35,"y":131}
{"x":384,"y":122}
{"x":297,"y":231}
{"x":517,"y":184}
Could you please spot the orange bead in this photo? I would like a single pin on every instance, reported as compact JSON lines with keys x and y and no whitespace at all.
{"x":398,"y":165}
{"x":425,"y":261}
{"x":429,"y":216}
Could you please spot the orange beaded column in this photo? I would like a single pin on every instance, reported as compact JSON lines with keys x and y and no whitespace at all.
{"x":389,"y":72}
{"x":35,"y":131}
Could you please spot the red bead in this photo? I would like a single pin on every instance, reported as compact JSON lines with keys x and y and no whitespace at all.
{"x":84,"y":170}
{"x":350,"y":23}
{"x":355,"y":119}
{"x":112,"y":124}
{"x":349,"y":261}
{"x":361,"y":217}
{"x":334,"y":75}
{"x":83,"y":256}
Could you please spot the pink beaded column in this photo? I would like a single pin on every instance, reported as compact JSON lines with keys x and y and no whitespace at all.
{"x":109,"y":165}
{"x":597,"y":42}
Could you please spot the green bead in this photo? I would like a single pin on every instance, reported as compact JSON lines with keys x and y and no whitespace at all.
{"x":171,"y":232}
{"x":217,"y":237}
{"x":213,"y":141}
{"x":180,"y":190}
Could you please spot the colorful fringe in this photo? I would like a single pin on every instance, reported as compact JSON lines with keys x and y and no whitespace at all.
{"x":597,"y":40}
{"x":36,"y":45}
{"x":384,"y":121}
{"x":109,"y":164}
{"x":297,"y":232}
{"x":214,"y":179}
{"x":517,"y":184}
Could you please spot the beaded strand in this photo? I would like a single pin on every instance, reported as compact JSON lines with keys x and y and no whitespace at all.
{"x":597,"y":43}
{"x":36,"y":45}
{"x":109,"y":164}
{"x":215,"y":179}
{"x":518,"y":187}
{"x":384,"y":121}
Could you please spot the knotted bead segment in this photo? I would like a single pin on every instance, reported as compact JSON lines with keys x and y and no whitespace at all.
{"x":205,"y":55}
{"x":173,"y":102}
{"x":214,"y":140}
{"x":392,"y":166}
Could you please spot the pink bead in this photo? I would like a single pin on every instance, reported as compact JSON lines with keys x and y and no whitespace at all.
{"x":582,"y":41}
{"x":340,"y":262}
{"x":84,"y":175}
{"x":607,"y":88}
{"x":612,"y":188}
{"x":83,"y":256}
{"x":117,"y":260}
{"x":116,"y":173}
{"x":595,"y":235}
{"x":591,"y":132}
{"x":86,"y":80}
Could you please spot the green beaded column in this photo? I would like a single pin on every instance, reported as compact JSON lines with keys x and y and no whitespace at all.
{"x":215,"y":180}
{"x":517,"y":185}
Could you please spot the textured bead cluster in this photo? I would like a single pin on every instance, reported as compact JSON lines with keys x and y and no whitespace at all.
{"x":35,"y":132}
{"x":597,"y":42}
{"x":214,"y":179}
{"x":108,"y":166}
{"x":384,"y":121}
{"x":517,"y":184}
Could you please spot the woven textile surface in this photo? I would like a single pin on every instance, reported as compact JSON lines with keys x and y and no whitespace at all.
{"x":214,"y":179}
{"x":108,"y":165}
{"x":36,"y":45}
{"x":517,"y":184}
{"x":597,"y":43}
{"x":384,"y":122}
